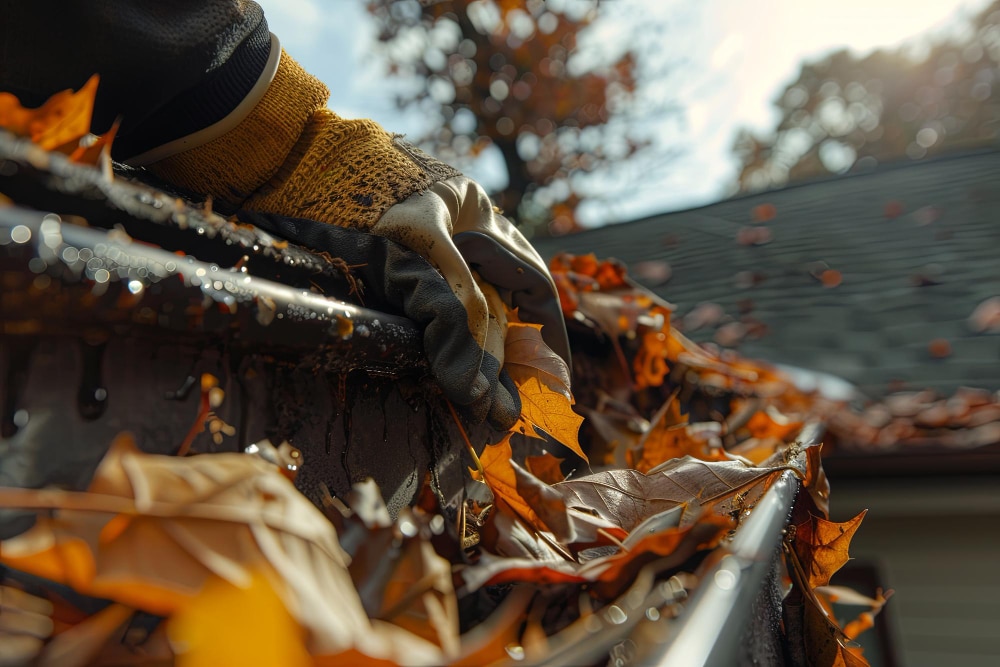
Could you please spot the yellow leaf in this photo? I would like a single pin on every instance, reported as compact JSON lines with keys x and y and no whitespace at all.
{"x":542,"y":380}
{"x":550,"y":411}
{"x":258,"y":629}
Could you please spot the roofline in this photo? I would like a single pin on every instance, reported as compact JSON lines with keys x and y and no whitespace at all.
{"x":894,"y":165}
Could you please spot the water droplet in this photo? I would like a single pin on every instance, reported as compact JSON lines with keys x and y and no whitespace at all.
{"x":515,"y":651}
{"x":102,"y":276}
{"x":725,"y":579}
{"x":20,"y":234}
{"x":653,"y":614}
{"x":408,"y":528}
{"x":21,"y":418}
{"x":135,"y":286}
{"x":616,"y":614}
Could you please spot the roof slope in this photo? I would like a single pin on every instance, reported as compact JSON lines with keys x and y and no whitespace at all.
{"x":888,"y":232}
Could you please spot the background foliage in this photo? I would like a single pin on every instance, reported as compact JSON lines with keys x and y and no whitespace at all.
{"x":848,"y":112}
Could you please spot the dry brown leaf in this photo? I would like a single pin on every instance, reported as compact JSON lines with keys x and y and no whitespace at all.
{"x":627,"y":497}
{"x":821,"y":547}
{"x":59,"y":124}
{"x":527,"y":355}
{"x":815,"y":481}
{"x":152,"y":531}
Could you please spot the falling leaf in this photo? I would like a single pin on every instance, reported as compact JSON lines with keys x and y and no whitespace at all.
{"x":831,"y":278}
{"x":59,"y":124}
{"x":893,"y":209}
{"x":764,"y":212}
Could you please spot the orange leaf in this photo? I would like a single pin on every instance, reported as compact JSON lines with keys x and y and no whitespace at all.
{"x":545,"y":467}
{"x":671,"y":437}
{"x":674,"y":442}
{"x":502,"y":480}
{"x":772,"y":424}
{"x":822,"y":546}
{"x":58,"y":124}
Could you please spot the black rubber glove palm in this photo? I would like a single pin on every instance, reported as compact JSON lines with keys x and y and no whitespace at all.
{"x":400,"y":279}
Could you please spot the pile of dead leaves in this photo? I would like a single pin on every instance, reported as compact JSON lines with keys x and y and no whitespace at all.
{"x":218,"y":559}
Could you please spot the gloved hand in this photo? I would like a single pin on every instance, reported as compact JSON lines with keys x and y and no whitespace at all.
{"x":400,"y":279}
{"x":352,"y":173}
{"x":280,"y":151}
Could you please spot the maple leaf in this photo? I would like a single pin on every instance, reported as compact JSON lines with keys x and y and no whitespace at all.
{"x":549,"y":411}
{"x":821,"y":547}
{"x":542,"y":380}
{"x":671,"y":437}
{"x":59,"y":124}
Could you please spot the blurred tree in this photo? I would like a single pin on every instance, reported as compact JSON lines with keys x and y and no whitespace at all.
{"x":847,"y":112}
{"x":506,"y":73}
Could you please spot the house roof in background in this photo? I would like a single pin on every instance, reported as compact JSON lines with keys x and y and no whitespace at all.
{"x":916,"y":245}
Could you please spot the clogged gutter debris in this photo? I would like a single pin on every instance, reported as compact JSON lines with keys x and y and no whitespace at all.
{"x":570,"y":544}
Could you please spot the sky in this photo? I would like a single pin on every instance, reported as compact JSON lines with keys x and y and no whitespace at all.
{"x":732,"y":59}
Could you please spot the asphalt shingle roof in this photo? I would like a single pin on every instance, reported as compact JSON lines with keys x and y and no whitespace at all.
{"x":874,"y":328}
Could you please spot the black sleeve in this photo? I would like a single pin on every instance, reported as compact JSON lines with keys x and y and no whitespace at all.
{"x":167,"y":67}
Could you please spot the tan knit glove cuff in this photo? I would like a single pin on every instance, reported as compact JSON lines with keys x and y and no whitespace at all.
{"x":347,"y":173}
{"x":236,"y":164}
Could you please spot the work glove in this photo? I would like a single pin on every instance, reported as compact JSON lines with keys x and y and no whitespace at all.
{"x":398,"y":279}
{"x":210,"y":103}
